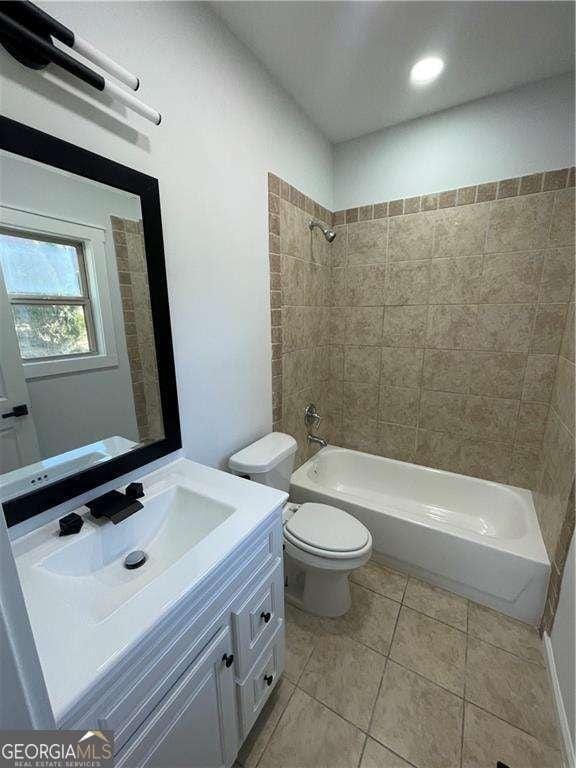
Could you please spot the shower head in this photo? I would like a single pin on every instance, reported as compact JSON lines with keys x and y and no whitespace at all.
{"x":328,"y":233}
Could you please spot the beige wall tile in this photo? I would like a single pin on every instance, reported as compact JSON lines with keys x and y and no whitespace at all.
{"x":295,"y":237}
{"x":411,"y":204}
{"x":447,"y":199}
{"x":520,"y":223}
{"x":508,"y":188}
{"x":548,"y":328}
{"x":439,"y":450}
{"x":396,"y":441}
{"x":567,"y":346}
{"x":363,"y":326}
{"x":367,"y":242}
{"x":531,"y":422}
{"x":339,"y":247}
{"x":446,"y":370}
{"x":486,"y":191}
{"x":556,"y":179}
{"x":443,"y":412}
{"x":466,"y":195}
{"x":366,"y":285}
{"x":525,"y":467}
{"x":540,"y":376}
{"x":456,"y":281}
{"x":500,"y":374}
{"x":562,"y":232}
{"x":360,"y":435}
{"x":404,"y":326}
{"x":513,"y":277}
{"x":504,"y":327}
{"x":401,"y":367}
{"x":461,"y":231}
{"x":362,"y":364}
{"x":452,"y":326}
{"x":399,"y":405}
{"x":530,"y":184}
{"x":490,"y":418}
{"x":563,"y":396}
{"x":407,"y":283}
{"x":411,"y":237}
{"x":558,"y":278}
{"x":338,"y":292}
{"x":360,"y":399}
{"x":293,"y":281}
{"x":337,"y":362}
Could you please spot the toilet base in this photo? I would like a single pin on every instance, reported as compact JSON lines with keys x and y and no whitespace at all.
{"x":320,"y":592}
{"x":326,"y":593}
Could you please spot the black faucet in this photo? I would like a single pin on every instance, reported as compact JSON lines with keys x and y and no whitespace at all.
{"x":117,"y":506}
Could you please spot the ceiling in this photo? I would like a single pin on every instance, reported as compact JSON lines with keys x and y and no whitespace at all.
{"x":347,"y":63}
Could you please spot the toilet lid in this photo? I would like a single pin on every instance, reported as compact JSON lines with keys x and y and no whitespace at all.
{"x":327,"y":528}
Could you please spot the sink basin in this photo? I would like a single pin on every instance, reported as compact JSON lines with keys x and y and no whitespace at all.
{"x":89,"y":572}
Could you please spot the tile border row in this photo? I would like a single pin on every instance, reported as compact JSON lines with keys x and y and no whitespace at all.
{"x":547,"y":181}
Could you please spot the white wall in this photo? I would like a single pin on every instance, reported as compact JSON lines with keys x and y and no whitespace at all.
{"x":225,"y":124}
{"x":76,"y":409}
{"x":564,"y":642}
{"x":511,"y":134}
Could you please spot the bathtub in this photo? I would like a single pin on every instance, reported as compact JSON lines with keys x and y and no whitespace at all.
{"x":473,"y":537}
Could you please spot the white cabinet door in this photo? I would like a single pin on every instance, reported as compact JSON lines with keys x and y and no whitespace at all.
{"x":196,"y":726}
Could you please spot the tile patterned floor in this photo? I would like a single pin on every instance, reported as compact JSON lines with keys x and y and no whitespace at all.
{"x":412,"y":676}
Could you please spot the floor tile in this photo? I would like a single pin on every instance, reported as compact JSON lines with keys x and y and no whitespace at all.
{"x":262,"y":729}
{"x":380,"y":579}
{"x":488,"y":740}
{"x":430,"y":648}
{"x":344,"y":675}
{"x":509,"y":634}
{"x":309,"y":735}
{"x":371,"y":619}
{"x":302,"y":630}
{"x":510,"y":688}
{"x":377,"y":756}
{"x":437,"y":603}
{"x":418,"y":720}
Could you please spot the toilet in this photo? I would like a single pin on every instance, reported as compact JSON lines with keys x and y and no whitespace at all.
{"x":322,"y":544}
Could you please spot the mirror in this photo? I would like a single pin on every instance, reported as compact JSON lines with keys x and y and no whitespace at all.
{"x":79,"y":371}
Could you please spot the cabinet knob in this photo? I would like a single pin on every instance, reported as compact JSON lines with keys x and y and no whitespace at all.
{"x":266,"y":615}
{"x":269,"y":679}
{"x":228,"y":659}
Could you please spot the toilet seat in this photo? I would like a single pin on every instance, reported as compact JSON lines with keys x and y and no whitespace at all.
{"x":327,"y":532}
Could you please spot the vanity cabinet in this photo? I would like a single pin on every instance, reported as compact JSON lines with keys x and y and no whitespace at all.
{"x":190,"y":692}
{"x":195,"y":725}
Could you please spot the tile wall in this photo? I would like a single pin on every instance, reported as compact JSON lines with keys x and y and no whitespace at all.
{"x":138,"y":327}
{"x":436,"y":329}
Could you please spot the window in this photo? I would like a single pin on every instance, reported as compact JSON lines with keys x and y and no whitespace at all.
{"x":47,"y":287}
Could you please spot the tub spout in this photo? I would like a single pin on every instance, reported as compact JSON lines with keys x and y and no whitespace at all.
{"x":317,"y":440}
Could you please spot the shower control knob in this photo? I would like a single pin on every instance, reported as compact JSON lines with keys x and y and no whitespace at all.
{"x":266,"y":616}
{"x":228,"y":659}
{"x":269,"y":679}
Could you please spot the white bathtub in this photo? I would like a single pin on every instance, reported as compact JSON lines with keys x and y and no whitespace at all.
{"x":474,"y":537}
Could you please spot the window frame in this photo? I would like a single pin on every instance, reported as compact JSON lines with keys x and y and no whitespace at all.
{"x":83,"y":299}
{"x":96,"y":263}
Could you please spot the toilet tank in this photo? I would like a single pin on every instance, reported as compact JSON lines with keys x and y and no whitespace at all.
{"x":269,"y":461}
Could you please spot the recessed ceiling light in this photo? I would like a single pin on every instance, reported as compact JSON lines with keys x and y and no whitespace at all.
{"x":426,"y":70}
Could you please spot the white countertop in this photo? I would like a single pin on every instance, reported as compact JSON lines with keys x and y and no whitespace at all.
{"x":76,"y":652}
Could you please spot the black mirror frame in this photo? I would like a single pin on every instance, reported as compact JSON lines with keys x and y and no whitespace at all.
{"x":28,"y":142}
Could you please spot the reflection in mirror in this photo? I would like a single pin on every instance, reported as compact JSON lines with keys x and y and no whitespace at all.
{"x":78,"y":372}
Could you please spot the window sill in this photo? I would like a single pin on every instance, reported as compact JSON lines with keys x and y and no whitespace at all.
{"x":67,"y":365}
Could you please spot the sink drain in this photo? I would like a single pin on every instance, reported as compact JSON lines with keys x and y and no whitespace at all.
{"x":135,"y":559}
